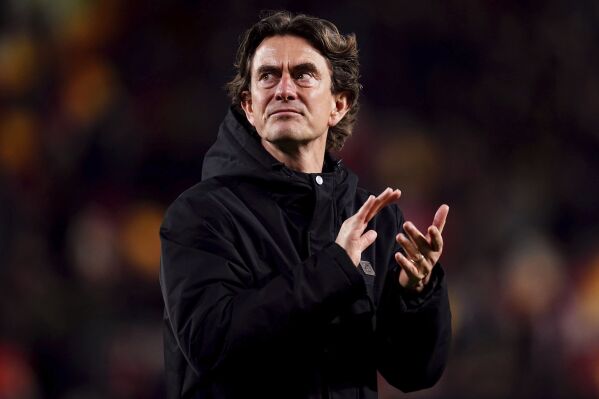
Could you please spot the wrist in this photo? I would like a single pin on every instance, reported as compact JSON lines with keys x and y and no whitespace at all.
{"x":412,"y":286}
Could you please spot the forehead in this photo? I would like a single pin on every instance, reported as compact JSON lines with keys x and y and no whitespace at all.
{"x":287,"y":51}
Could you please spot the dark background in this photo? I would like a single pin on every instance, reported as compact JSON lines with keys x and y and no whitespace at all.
{"x":107,"y":108}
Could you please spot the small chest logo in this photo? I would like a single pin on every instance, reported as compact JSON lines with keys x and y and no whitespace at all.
{"x":367,"y":268}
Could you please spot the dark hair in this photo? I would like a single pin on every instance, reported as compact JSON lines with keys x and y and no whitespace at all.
{"x":340,"y":50}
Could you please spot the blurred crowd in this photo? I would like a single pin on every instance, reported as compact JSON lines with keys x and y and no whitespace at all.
{"x":106,"y":110}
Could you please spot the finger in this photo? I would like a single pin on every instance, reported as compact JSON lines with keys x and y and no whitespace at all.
{"x":436,"y":238}
{"x":365,"y":208}
{"x":418,"y":259}
{"x":387,"y":197}
{"x":409,"y":247}
{"x":417,"y":237}
{"x":441,"y":217}
{"x":367,"y":239}
{"x":410,"y":269}
{"x":381,"y":197}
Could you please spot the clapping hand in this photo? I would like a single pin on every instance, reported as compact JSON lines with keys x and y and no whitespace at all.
{"x":422,"y":251}
{"x":351,"y":236}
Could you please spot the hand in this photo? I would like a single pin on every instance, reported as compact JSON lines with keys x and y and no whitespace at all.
{"x":351,"y":236}
{"x":422,"y":251}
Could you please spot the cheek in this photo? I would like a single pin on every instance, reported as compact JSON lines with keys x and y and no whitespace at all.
{"x":326,"y":106}
{"x":259,"y":105}
{"x":253,"y":110}
{"x":319,"y":101}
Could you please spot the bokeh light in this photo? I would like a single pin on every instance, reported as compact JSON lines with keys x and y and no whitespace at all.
{"x":139,"y":239}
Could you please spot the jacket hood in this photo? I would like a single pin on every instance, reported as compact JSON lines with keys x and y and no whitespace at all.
{"x":237,"y":150}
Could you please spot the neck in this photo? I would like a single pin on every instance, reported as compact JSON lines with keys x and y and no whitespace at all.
{"x":302,"y":157}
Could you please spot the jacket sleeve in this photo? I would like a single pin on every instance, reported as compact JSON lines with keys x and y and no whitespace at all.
{"x":413,"y":330}
{"x":215,"y":309}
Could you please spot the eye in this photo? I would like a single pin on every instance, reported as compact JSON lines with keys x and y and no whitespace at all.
{"x":267,"y":79}
{"x":305,"y":78}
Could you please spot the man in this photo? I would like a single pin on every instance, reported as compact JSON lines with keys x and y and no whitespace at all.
{"x":280,"y":277}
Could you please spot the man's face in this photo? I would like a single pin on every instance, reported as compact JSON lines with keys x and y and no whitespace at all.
{"x":290,"y":98}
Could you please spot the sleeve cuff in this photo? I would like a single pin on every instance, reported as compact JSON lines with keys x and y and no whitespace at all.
{"x":344,"y":261}
{"x":415,"y":300}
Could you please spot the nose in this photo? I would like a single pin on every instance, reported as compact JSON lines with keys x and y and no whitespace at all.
{"x":286,"y":89}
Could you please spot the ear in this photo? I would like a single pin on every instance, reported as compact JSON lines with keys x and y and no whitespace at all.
{"x":341,"y":105}
{"x":246,"y":105}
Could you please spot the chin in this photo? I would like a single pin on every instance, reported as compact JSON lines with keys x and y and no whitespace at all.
{"x":286,"y":134}
{"x":284,"y":138}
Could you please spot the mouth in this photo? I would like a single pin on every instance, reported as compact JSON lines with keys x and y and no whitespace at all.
{"x":284,"y":112}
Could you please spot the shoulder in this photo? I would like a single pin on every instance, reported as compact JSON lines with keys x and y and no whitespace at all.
{"x":200,"y":207}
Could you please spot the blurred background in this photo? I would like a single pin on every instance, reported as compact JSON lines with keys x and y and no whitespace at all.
{"x":107,"y":108}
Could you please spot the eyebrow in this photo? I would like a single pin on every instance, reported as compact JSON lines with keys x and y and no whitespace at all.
{"x":303,"y":67}
{"x":267,"y":69}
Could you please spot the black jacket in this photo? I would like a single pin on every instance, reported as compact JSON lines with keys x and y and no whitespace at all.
{"x":259,"y":300}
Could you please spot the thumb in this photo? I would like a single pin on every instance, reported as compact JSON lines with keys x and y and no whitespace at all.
{"x":367,"y":239}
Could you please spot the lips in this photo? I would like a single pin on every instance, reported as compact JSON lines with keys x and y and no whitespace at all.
{"x":284,"y":110}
